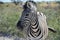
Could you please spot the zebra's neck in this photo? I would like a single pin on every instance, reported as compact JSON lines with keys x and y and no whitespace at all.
{"x":34,"y":28}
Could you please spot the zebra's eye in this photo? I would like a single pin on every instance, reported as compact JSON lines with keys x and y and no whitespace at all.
{"x":27,"y":14}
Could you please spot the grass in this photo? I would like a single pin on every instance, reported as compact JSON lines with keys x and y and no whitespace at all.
{"x":53,"y":17}
{"x":11,"y":14}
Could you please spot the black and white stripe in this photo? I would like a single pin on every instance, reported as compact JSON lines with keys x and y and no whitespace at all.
{"x":30,"y":23}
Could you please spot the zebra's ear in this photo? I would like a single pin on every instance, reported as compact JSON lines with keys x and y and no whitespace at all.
{"x":28,"y":4}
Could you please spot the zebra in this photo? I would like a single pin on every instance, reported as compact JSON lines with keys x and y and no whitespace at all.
{"x":32,"y":22}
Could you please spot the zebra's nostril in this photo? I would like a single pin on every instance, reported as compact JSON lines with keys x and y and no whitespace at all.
{"x":25,"y":17}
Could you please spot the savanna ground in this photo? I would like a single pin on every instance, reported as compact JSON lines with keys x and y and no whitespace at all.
{"x":10,"y":14}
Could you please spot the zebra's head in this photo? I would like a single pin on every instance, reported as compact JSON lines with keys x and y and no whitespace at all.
{"x":30,"y":5}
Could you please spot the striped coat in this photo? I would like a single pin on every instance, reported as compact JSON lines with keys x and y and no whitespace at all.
{"x":34,"y":25}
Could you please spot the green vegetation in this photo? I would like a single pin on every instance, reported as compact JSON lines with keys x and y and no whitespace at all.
{"x":10,"y":14}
